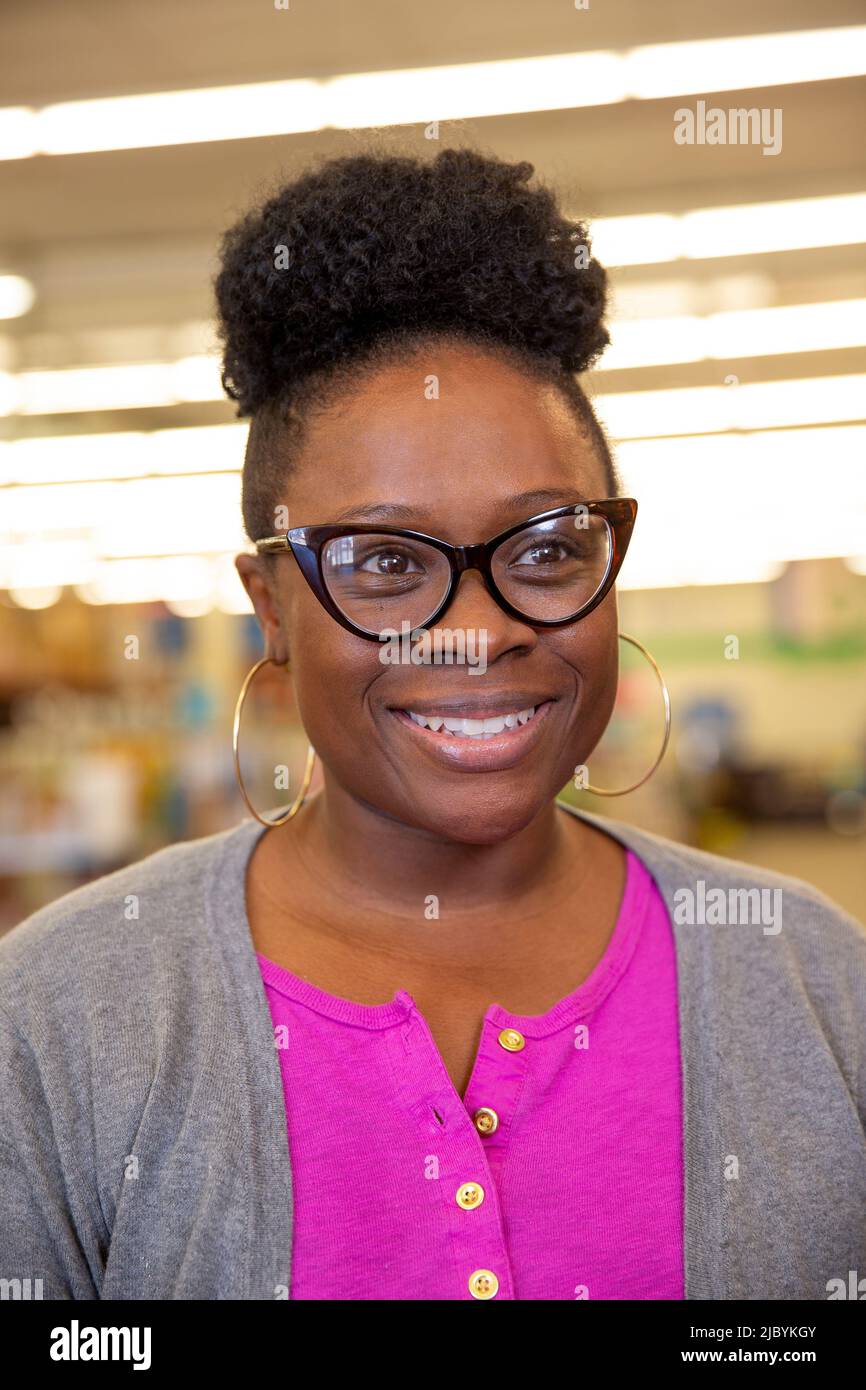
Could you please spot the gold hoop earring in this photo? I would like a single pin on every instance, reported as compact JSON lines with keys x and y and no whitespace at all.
{"x":601,"y":791}
{"x":311,"y":754}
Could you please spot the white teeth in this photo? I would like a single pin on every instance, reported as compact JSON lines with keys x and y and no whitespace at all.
{"x":473,"y":728}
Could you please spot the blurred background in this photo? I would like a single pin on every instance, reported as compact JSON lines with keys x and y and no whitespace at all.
{"x":131,"y":135}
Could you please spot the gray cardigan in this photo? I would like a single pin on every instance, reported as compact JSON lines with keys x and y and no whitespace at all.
{"x":143,"y":1144}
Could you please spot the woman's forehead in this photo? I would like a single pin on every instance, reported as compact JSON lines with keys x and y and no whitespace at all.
{"x":487,"y":434}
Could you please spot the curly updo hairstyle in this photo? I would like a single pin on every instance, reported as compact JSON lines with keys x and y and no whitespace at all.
{"x":369,"y":255}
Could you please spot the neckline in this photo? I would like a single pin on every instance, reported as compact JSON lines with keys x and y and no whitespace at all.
{"x":579,"y":1003}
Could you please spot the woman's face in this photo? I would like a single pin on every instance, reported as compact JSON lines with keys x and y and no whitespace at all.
{"x":495,"y":448}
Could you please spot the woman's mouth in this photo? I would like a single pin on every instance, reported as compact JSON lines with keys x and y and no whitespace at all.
{"x":472,"y":728}
{"x":476,"y":741}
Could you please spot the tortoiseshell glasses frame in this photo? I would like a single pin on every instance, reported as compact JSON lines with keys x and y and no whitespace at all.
{"x":307,"y":544}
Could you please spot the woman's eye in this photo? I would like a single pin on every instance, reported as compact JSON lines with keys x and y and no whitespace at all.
{"x":542,"y":553}
{"x":389,"y":562}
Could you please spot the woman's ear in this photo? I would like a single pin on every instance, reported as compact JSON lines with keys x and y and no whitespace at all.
{"x":257,"y":581}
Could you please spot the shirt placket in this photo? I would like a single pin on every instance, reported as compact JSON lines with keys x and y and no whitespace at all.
{"x":469,"y":1140}
{"x":494,"y":1089}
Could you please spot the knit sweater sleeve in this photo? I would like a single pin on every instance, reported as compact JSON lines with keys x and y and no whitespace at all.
{"x":42,"y":1254}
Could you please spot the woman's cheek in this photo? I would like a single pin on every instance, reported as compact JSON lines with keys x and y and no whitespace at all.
{"x":596,"y":666}
{"x":331,"y":685}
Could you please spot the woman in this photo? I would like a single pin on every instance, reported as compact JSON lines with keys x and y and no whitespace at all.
{"x":517,"y":1054}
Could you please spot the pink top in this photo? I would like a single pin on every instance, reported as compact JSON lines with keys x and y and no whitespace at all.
{"x":576,"y":1193}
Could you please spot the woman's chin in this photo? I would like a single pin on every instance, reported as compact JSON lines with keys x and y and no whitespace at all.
{"x":474,"y":821}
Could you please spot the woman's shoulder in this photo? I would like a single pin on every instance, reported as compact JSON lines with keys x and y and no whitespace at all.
{"x":94,"y":931}
{"x":702,"y":887}
{"x":767,"y":953}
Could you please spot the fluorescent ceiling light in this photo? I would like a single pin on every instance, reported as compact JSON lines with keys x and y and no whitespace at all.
{"x":738,"y":230}
{"x":28,"y":564}
{"x":94,"y":388}
{"x":18,"y":132}
{"x":786,"y":328}
{"x":755,"y":228}
{"x":477,"y":89}
{"x":694,"y":525}
{"x":748,"y":406}
{"x":126,"y":386}
{"x":187,"y":589}
{"x":652,"y":342}
{"x":712,"y":566}
{"x":190,"y":586}
{"x":735,"y":64}
{"x":149,"y":580}
{"x":180,"y":118}
{"x":136,"y":517}
{"x":17,"y":296}
{"x":643,"y":239}
{"x":553,"y":82}
{"x":41,"y":596}
{"x":76,"y":458}
{"x":741,"y":333}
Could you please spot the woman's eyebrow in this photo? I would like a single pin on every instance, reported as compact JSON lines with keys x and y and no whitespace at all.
{"x":394,"y":512}
{"x":379,"y":511}
{"x":556,"y":496}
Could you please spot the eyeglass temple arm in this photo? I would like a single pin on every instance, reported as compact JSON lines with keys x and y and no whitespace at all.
{"x":269,"y":544}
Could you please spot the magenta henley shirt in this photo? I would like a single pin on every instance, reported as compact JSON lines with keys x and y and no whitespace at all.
{"x":558,"y":1176}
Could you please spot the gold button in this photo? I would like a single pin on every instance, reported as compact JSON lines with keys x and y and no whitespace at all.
{"x":486,"y":1120}
{"x":511,"y":1040}
{"x":470,"y":1195}
{"x":483,"y":1284}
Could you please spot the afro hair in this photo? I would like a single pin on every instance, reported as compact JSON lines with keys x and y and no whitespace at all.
{"x":368,"y":251}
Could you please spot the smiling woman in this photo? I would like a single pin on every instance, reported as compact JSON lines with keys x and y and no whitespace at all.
{"x":636,"y":1118}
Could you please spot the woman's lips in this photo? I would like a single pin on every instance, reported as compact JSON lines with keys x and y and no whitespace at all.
{"x":493,"y":752}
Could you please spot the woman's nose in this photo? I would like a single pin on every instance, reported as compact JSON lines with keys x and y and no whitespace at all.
{"x":473,"y":607}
